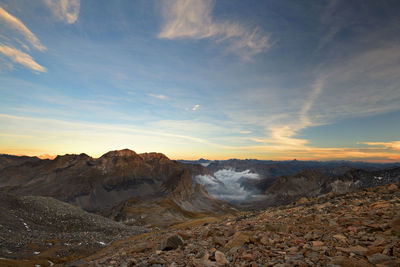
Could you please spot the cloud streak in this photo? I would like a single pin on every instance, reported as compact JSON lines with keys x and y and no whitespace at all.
{"x":285,"y":134}
{"x":22,"y":58}
{"x":162,"y":97}
{"x":15,"y":24}
{"x":192,"y":19}
{"x":395,"y":145}
{"x":15,"y":55}
{"x":64,"y":10}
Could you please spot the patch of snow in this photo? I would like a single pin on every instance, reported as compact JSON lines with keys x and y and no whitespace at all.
{"x":50,"y":262}
{"x":36,"y":253}
{"x":102,"y":243}
{"x":378,"y":178}
{"x":26,"y":226}
{"x":205,"y":164}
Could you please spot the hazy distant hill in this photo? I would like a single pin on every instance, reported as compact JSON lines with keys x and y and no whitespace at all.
{"x":270,"y":168}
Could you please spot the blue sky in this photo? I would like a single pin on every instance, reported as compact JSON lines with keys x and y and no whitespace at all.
{"x":200,"y":78}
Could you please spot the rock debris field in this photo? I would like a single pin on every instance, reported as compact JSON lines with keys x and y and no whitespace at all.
{"x":356,"y":229}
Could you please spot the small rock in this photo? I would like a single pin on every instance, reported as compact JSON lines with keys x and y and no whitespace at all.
{"x":293,"y":250}
{"x":264,"y":240}
{"x":359,"y":250}
{"x":379,"y":205}
{"x":378,"y":258}
{"x":302,"y":200}
{"x":218,"y":240}
{"x":171,"y":243}
{"x":238,"y":240}
{"x":220,"y":258}
{"x":317,"y":243}
{"x":247,"y":256}
{"x":341,"y":238}
{"x":392,"y":187}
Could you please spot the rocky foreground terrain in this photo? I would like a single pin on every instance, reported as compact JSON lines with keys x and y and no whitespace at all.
{"x":47,"y":231}
{"x":361,"y":228}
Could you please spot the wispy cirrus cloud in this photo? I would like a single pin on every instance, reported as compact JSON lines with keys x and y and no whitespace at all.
{"x":22,"y":58}
{"x":395,"y":145}
{"x":64,"y":10}
{"x":192,"y":19}
{"x":16,"y":25}
{"x":162,"y":97}
{"x":285,"y":134}
{"x":18,"y":38}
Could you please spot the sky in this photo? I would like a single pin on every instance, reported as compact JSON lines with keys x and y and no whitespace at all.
{"x":271,"y":79}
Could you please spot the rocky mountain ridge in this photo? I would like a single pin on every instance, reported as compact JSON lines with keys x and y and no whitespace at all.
{"x":105,"y":184}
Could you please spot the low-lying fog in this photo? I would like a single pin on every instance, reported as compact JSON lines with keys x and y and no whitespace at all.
{"x":226,"y":184}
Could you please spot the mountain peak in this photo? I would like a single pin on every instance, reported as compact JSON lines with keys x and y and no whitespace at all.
{"x":153,"y":156}
{"x":120,"y":153}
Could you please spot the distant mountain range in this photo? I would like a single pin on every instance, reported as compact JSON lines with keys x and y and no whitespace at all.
{"x":270,"y":168}
{"x":150,"y":189}
{"x":260,"y":183}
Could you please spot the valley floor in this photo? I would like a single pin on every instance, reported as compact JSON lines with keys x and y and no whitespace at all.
{"x":357,"y":229}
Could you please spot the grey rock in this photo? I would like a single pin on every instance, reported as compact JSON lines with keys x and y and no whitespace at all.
{"x":172,"y":242}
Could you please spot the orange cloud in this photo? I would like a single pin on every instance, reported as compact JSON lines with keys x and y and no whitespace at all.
{"x":395,"y":145}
